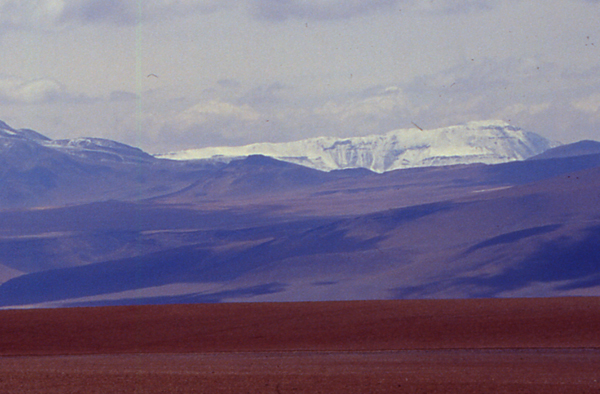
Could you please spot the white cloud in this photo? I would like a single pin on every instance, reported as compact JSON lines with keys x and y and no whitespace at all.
{"x":215,"y":110}
{"x":31,"y":13}
{"x":380,"y":104}
{"x":589,"y":104}
{"x":526,"y":92}
{"x":519,"y":109}
{"x":536,"y":95}
{"x":19,"y":91}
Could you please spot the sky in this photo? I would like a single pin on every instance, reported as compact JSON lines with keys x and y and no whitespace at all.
{"x":165,"y":75}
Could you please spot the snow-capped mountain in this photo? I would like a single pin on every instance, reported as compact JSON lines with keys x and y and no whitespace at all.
{"x":92,"y":148}
{"x":8,"y":133}
{"x":100,"y":149}
{"x":488,"y":142}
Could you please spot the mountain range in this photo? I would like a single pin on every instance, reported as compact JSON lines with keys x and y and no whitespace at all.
{"x":488,"y":142}
{"x":95,"y":222}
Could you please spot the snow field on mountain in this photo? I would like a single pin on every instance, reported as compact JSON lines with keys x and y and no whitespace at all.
{"x":488,"y":142}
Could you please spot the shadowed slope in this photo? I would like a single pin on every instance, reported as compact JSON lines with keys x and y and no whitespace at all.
{"x":259,"y":229}
{"x":580,"y":148}
{"x":490,"y":243}
{"x":209,"y":261}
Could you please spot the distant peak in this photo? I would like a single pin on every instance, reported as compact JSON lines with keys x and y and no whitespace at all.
{"x":5,"y":126}
{"x":24,"y":134}
{"x":99,"y":147}
{"x":580,"y":148}
{"x":489,"y":142}
{"x":92,"y":142}
{"x":32,"y":135}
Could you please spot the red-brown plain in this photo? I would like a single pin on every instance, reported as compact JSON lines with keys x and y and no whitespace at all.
{"x":419,"y":346}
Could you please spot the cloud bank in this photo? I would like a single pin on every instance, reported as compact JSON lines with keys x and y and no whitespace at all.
{"x":18,"y":91}
{"x":280,"y":10}
{"x":530,"y":93}
{"x":48,"y":14}
{"x":432,"y":62}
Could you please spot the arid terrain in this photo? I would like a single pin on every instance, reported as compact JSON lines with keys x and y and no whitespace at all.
{"x":93,"y":222}
{"x":262,"y":276}
{"x":537,"y":345}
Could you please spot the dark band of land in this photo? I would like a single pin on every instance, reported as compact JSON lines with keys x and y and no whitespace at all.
{"x":311,"y":326}
{"x":496,"y":345}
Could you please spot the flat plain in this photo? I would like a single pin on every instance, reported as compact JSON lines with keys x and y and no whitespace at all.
{"x":549,"y":345}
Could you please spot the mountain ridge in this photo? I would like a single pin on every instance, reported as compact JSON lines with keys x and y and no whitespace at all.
{"x":488,"y":142}
{"x":95,"y":222}
{"x":579,"y":148}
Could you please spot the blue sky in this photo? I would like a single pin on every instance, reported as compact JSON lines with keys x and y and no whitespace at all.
{"x":236,"y":72}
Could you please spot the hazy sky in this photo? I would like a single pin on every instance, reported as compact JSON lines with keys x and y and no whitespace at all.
{"x":229,"y":72}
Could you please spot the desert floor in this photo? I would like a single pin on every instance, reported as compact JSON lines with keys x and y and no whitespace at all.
{"x":547,"y":345}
